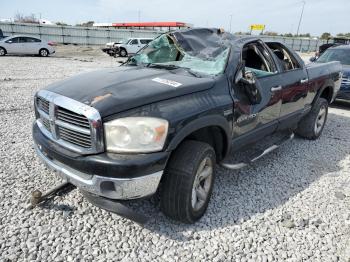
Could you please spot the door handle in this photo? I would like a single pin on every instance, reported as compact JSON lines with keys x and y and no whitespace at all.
{"x":303,"y":81}
{"x":276,"y":88}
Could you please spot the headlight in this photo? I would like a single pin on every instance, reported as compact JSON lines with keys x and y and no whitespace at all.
{"x":135,"y":134}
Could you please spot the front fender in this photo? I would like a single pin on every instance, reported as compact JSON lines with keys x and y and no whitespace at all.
{"x":205,"y":121}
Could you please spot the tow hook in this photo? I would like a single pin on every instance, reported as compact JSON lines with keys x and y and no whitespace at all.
{"x":38,"y":197}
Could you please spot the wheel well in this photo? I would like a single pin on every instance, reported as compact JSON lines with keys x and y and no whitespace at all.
{"x":214,"y":136}
{"x":327,"y":94}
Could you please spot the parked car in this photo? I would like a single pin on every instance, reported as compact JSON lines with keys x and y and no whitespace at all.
{"x":131,"y":46}
{"x":342,"y":54}
{"x":1,"y":35}
{"x":25,"y":45}
{"x":164,"y":119}
{"x":337,"y":41}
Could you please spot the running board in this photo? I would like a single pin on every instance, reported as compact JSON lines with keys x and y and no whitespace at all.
{"x":253,"y":159}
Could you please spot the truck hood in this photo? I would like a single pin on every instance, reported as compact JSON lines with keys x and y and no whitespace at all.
{"x":114,"y":90}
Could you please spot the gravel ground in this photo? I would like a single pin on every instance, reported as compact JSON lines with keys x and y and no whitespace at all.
{"x":292,"y":205}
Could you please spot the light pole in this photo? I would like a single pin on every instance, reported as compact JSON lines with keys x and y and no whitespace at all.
{"x":230,"y":23}
{"x":301,"y":17}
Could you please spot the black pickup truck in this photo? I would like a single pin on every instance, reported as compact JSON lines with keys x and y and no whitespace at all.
{"x":164,"y":119}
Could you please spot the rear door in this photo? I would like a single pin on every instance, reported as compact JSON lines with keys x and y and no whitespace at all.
{"x":254,"y":121}
{"x":24,"y":46}
{"x":144,"y":42}
{"x":294,"y":81}
{"x":32,"y":45}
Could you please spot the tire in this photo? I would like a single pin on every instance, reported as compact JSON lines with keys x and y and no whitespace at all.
{"x":44,"y":52}
{"x":123,"y":52}
{"x":2,"y":51}
{"x":312,"y":125}
{"x":188,"y":182}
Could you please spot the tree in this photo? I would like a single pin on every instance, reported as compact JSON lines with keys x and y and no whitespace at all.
{"x":270,"y":33}
{"x":61,"y":23}
{"x":87,"y":24}
{"x":20,"y":18}
{"x":326,"y":36}
{"x":347,"y":35}
{"x":288,"y":35}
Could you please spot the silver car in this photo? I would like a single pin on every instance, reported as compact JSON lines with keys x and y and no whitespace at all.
{"x":25,"y":45}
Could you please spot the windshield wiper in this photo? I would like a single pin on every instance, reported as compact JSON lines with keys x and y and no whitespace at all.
{"x":171,"y":67}
{"x":165,"y":66}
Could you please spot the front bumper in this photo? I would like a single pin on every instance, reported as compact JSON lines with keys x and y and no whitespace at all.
{"x":96,"y":173}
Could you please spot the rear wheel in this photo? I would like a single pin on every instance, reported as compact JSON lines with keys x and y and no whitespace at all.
{"x":2,"y":51}
{"x":188,"y":182}
{"x":44,"y":52}
{"x":312,"y":125}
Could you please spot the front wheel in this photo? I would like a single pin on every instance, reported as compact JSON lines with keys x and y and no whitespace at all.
{"x":44,"y":52}
{"x":123,"y":52}
{"x":188,"y":181}
{"x":312,"y":125}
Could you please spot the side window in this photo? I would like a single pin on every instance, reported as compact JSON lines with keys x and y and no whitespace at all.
{"x":144,"y":41}
{"x":258,"y":60}
{"x":285,"y":57}
{"x":33,"y":40}
{"x":134,"y":42}
{"x":13,"y":40}
{"x":23,"y":40}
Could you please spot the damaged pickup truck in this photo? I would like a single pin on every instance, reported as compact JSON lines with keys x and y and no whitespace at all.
{"x":162,"y":121}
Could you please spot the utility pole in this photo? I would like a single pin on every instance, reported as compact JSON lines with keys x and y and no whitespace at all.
{"x":301,"y":17}
{"x":230,"y":23}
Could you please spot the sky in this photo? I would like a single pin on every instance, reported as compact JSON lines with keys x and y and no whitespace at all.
{"x":280,"y":16}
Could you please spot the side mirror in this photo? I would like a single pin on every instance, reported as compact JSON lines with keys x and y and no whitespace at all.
{"x":9,"y":41}
{"x":313,"y":59}
{"x":247,"y":80}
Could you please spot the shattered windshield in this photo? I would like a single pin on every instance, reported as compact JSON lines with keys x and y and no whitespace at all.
{"x":169,"y":52}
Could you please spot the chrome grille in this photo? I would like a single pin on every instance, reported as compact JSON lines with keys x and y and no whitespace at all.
{"x":46,"y":123}
{"x":43,"y":104}
{"x":345,"y":81}
{"x":74,"y":137}
{"x":70,"y":123}
{"x":72,"y":118}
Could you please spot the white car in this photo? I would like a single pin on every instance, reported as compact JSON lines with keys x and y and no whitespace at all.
{"x":25,"y":45}
{"x":132,"y":45}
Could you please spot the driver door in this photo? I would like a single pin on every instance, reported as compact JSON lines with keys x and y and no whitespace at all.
{"x":254,"y":120}
{"x":134,"y":46}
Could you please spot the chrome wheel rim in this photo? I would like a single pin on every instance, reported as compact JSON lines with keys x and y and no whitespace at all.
{"x":202,"y":184}
{"x":43,"y":52}
{"x":320,"y":120}
{"x":122,"y":53}
{"x":2,"y":52}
